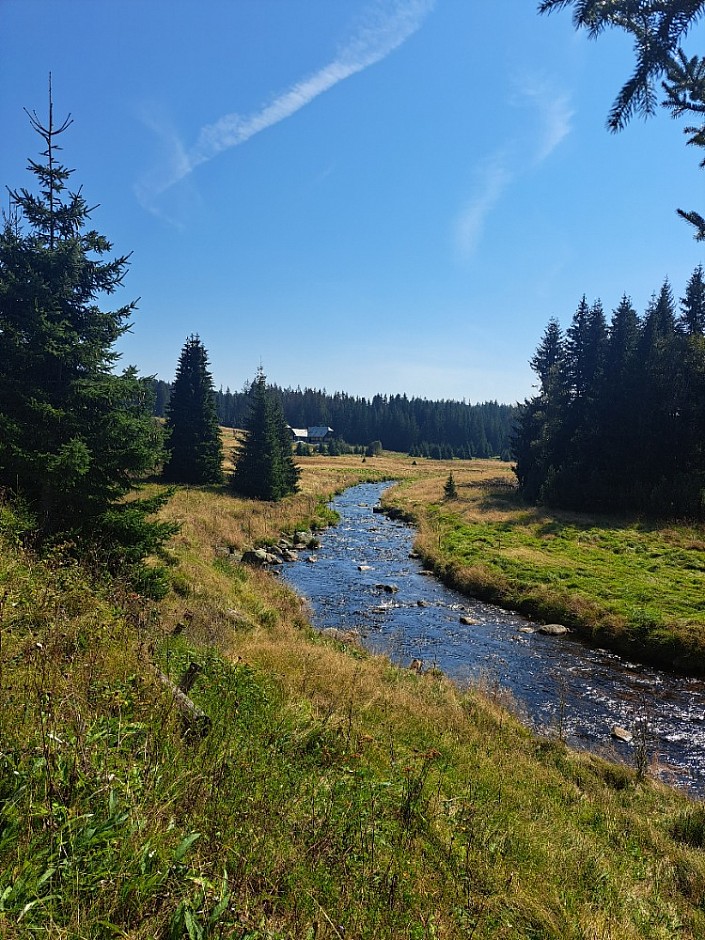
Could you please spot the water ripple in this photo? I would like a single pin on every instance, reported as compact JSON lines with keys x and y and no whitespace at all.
{"x":554,"y":681}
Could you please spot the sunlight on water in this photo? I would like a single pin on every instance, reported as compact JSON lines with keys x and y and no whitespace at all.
{"x":559,"y":685}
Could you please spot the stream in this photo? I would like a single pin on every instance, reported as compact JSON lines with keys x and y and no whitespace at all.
{"x":559,"y":685}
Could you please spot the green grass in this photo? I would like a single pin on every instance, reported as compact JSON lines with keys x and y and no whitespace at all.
{"x":627,"y":584}
{"x":628,"y":569}
{"x":334,"y":795}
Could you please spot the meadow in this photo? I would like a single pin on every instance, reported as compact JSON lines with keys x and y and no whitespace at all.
{"x":333,"y":794}
{"x":625,"y":583}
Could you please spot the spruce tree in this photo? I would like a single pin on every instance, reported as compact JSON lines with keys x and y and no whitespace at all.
{"x":540,"y":434}
{"x":194,"y":443}
{"x":586,"y":340}
{"x":664,"y":387}
{"x":548,"y":358}
{"x":450,"y":489}
{"x":619,"y":402}
{"x":692,"y":318}
{"x":288,"y":471}
{"x":74,"y":435}
{"x":264,"y":466}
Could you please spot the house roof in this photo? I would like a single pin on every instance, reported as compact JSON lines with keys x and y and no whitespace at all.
{"x":319,"y":432}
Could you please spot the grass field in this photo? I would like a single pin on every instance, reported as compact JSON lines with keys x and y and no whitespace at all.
{"x":334,"y":794}
{"x":624,"y":583}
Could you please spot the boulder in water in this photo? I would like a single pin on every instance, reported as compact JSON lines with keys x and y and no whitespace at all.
{"x":389,"y":588}
{"x":553,"y":629}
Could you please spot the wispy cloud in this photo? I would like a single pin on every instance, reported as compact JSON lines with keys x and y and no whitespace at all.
{"x":493,"y":178}
{"x":500,"y":171}
{"x":554,"y":110}
{"x":385,"y":25}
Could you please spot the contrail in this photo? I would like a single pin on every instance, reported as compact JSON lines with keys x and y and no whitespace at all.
{"x":385,"y":26}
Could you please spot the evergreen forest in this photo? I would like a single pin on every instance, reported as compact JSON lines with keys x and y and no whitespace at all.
{"x":417,"y":426}
{"x":618,"y":423}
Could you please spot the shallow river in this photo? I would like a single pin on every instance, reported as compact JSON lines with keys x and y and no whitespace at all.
{"x":558,"y":684}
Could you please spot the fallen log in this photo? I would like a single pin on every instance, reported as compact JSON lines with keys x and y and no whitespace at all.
{"x":194,"y":717}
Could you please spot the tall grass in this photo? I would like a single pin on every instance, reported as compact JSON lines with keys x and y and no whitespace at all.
{"x":333,"y":796}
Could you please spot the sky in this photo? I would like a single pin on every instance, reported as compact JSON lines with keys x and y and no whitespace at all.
{"x":367,"y":196}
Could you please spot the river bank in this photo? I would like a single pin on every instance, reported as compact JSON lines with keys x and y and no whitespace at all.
{"x":630,"y":586}
{"x":364,"y":584}
{"x":334,"y":794}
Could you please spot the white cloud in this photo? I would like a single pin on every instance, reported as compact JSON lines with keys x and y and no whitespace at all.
{"x":500,"y":171}
{"x":554,"y":110}
{"x":493,"y":179}
{"x":386,"y":25}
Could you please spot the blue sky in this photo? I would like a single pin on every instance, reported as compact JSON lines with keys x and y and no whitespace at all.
{"x":361,"y":195}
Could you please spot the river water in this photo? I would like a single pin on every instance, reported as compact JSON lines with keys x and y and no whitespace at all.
{"x":559,"y":685}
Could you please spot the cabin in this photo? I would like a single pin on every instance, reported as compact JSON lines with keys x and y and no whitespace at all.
{"x":315,"y":435}
{"x":319,"y":435}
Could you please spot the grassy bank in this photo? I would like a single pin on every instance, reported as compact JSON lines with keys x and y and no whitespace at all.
{"x":333,"y":796}
{"x":629,"y":585}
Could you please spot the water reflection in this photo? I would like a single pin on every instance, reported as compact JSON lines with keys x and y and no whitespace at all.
{"x":399,"y":610}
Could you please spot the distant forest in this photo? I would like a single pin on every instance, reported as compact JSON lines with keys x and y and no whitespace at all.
{"x":416,"y":426}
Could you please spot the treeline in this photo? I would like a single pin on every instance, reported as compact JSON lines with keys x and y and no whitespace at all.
{"x":618,"y":423}
{"x":416,"y":426}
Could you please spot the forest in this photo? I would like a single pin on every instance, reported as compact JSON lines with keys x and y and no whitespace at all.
{"x":417,"y":426}
{"x":619,"y":419}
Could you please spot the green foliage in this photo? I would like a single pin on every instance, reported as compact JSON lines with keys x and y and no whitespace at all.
{"x":619,"y":422}
{"x":264,"y":466}
{"x":689,"y":826}
{"x":74,"y":436}
{"x":304,"y":450}
{"x":658,"y":28}
{"x":123,"y":537}
{"x":195,"y":448}
{"x":334,"y":795}
{"x":450,"y":490}
{"x":16,"y":522}
{"x":692,"y":318}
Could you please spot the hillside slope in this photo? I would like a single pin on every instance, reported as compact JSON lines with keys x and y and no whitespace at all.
{"x":333,"y":795}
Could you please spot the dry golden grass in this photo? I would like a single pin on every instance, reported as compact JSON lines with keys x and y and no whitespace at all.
{"x":343,"y":796}
{"x":247,"y":612}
